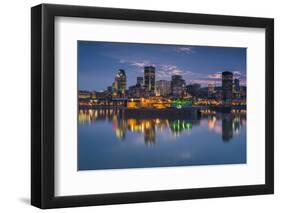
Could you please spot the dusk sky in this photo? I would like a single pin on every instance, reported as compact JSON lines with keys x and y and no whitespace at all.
{"x":98,"y":63}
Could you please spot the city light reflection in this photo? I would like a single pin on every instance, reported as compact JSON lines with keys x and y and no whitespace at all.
{"x":226,"y":124}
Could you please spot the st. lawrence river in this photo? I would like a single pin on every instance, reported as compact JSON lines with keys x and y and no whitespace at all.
{"x":120,"y":138}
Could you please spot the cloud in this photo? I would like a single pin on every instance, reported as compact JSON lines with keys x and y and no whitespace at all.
{"x":137,"y":63}
{"x":186,"y":50}
{"x":168,"y":67}
{"x":162,"y":70}
{"x":237,"y":74}
{"x":215,"y":75}
{"x":205,"y":82}
{"x":167,"y":70}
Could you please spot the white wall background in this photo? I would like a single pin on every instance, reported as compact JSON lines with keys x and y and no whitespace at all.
{"x":15,"y":105}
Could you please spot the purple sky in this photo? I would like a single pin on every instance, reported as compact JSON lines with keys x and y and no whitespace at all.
{"x":98,"y":62}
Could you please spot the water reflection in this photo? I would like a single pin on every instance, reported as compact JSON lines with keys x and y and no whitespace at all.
{"x":225,"y":124}
{"x":116,"y":139}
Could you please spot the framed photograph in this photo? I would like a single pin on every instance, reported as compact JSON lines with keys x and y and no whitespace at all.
{"x":139,"y":106}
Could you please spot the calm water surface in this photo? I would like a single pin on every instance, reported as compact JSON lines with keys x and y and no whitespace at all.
{"x":110,"y":139}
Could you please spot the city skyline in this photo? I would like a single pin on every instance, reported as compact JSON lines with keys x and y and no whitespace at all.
{"x":106,"y":58}
{"x":160,"y":105}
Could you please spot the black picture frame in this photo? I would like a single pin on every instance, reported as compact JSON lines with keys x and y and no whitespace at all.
{"x":43,"y":102}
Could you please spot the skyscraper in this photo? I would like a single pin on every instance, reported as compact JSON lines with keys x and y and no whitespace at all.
{"x":163,"y":88}
{"x":227,"y":81}
{"x":114,"y":89}
{"x":211,"y":90}
{"x":120,"y":83}
{"x":178,"y":86}
{"x":149,"y":79}
{"x":236,"y":88}
{"x":237,"y":84}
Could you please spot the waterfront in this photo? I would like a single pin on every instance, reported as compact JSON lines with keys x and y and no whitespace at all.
{"x":115,"y":138}
{"x":159,"y":105}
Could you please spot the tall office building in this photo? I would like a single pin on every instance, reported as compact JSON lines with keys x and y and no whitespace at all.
{"x":163,"y":88}
{"x":237,"y":85}
{"x":149,"y":79}
{"x":136,"y":91}
{"x":211,"y":90}
{"x":236,"y":88}
{"x":243,"y":91}
{"x":120,"y":83}
{"x":227,"y":81}
{"x":178,"y":89}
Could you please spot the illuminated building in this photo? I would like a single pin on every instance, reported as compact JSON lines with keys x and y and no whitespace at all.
{"x":109,"y":89}
{"x":227,"y":80}
{"x":218,"y":93}
{"x":236,"y":88}
{"x":236,"y":84}
{"x":84,"y":94}
{"x":152,"y":102}
{"x":211,"y":90}
{"x":149,"y":79}
{"x":93,"y":95}
{"x":136,"y":91}
{"x":181,"y":103}
{"x":178,"y":86}
{"x":114,"y":89}
{"x":119,"y":85}
{"x":243,"y":91}
{"x":132,"y":92}
{"x":163,"y":88}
